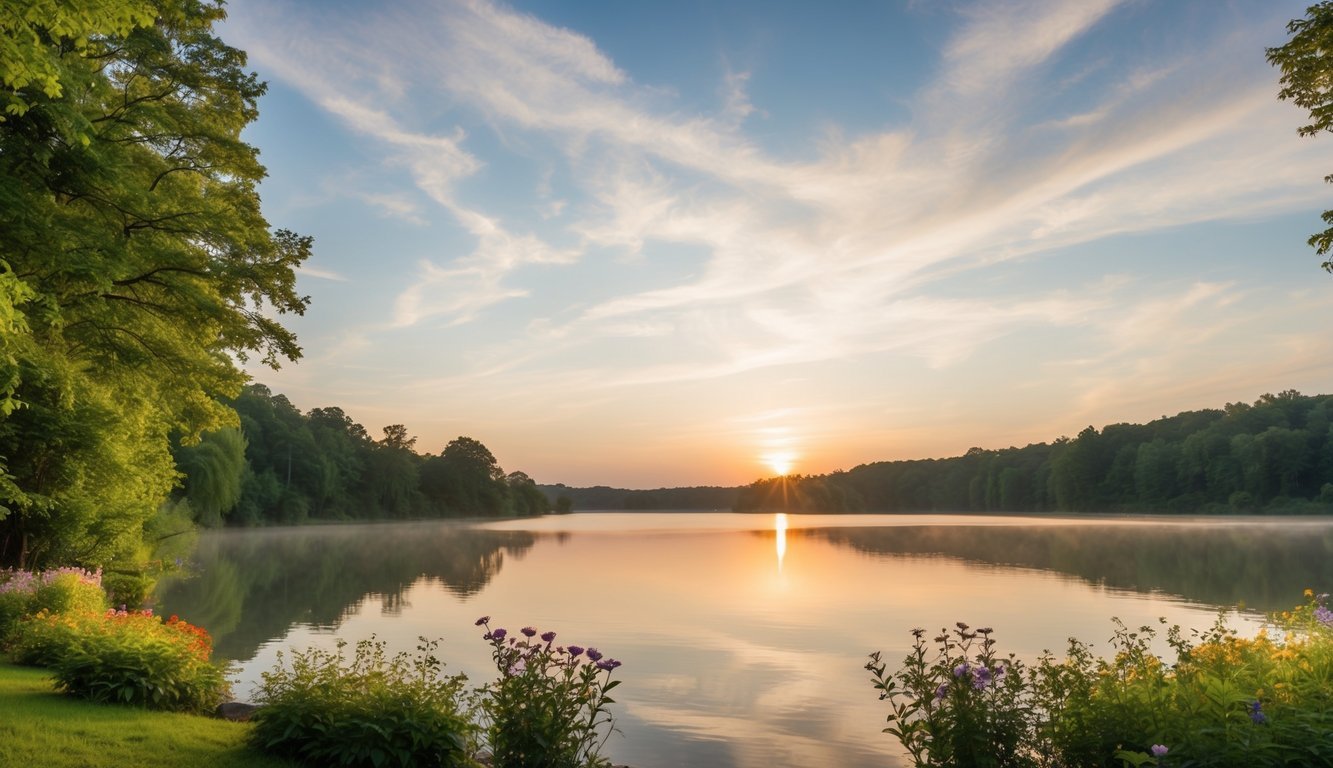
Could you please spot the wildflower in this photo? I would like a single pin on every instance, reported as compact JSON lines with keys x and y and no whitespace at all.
{"x":1257,"y":713}
{"x":1324,"y":616}
{"x":528,"y":631}
{"x":981,"y":678}
{"x":498,"y":634}
{"x":483,"y":620}
{"x":594,"y":655}
{"x":1158,"y":750}
{"x":548,"y":636}
{"x":1309,"y":592}
{"x":941,"y":692}
{"x":575,"y":651}
{"x":607,"y":664}
{"x":960,"y":670}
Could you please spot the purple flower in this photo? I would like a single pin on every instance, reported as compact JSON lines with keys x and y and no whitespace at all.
{"x":483,"y":620}
{"x":941,"y":692}
{"x":548,"y":636}
{"x":528,"y":631}
{"x":1158,"y":750}
{"x":575,"y":651}
{"x":1324,"y":616}
{"x":594,"y":654}
{"x":499,"y":634}
{"x":1257,"y":713}
{"x":608,"y":664}
{"x":980,"y":678}
{"x":960,"y":670}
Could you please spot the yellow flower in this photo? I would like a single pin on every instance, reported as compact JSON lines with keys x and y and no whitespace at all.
{"x":1309,"y":592}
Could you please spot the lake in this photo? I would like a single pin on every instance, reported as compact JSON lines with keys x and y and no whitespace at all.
{"x":743,"y":637}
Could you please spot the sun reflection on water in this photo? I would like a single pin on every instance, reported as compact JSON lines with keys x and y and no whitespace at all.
{"x":780,"y":528}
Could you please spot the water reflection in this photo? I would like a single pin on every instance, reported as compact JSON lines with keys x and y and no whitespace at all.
{"x":729,"y":661}
{"x":252,"y":586}
{"x":1263,"y":567}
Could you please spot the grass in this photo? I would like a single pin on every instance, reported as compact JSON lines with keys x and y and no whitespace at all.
{"x":41,"y":727}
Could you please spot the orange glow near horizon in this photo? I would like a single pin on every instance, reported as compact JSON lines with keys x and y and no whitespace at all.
{"x":780,"y":528}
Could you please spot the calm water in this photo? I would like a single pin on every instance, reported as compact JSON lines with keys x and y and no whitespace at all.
{"x":742,"y":636}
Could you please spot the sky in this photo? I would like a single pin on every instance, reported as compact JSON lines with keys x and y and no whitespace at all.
{"x":697,"y":243}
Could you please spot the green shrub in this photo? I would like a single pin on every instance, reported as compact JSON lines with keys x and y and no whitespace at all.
{"x":61,"y":590}
{"x":125,"y":657}
{"x":549,"y":706}
{"x":1227,"y":701}
{"x":375,"y":711}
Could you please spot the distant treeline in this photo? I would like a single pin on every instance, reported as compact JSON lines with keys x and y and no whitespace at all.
{"x":1273,"y":456}
{"x":601,"y":497}
{"x":284,"y":466}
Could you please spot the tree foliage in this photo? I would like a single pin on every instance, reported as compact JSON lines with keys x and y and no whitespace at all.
{"x":323,"y":465}
{"x":1306,"y":62}
{"x":137,"y":266}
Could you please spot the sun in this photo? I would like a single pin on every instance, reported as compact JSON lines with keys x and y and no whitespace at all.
{"x":780,"y":463}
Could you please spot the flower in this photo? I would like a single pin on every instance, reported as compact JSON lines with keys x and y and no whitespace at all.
{"x":575,"y":651}
{"x":1257,"y":713}
{"x":483,"y":620}
{"x":1158,"y":750}
{"x":499,"y":634}
{"x":548,"y":636}
{"x":594,"y":654}
{"x":528,"y":631}
{"x":941,"y":692}
{"x":1324,"y":616}
{"x":608,"y":664}
{"x":960,"y":670}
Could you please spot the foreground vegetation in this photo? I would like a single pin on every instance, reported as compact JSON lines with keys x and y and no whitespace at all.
{"x":1226,"y":701}
{"x":38,"y":726}
{"x":546,"y":709}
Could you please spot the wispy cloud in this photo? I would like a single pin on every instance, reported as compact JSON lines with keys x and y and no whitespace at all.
{"x":725,"y":257}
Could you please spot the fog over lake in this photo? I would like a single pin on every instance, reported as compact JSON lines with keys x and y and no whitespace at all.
{"x":743,"y":637}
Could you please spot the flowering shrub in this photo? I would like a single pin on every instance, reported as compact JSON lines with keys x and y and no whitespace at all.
{"x":127,"y":657}
{"x":548,"y":709}
{"x":959,"y":704}
{"x":58,"y":591}
{"x":373,"y":711}
{"x":1227,"y":701}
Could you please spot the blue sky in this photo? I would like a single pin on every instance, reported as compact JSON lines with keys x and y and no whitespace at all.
{"x":657,"y":244}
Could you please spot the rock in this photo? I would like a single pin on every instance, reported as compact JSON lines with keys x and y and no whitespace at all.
{"x":236,"y":711}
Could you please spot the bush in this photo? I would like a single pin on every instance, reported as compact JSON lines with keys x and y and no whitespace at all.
{"x":549,"y":706}
{"x":374,"y":712}
{"x":61,"y":590}
{"x":1228,"y":701}
{"x":125,"y":657}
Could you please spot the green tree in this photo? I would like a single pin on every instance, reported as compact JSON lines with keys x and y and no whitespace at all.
{"x":214,"y":470}
{"x":137,"y":266}
{"x":1306,"y":62}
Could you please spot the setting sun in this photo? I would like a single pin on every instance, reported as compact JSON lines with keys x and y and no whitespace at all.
{"x":780,"y":463}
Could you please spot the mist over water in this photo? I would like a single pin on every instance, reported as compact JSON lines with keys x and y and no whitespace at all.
{"x":742,"y":636}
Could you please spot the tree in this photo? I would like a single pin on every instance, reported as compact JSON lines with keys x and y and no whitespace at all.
{"x":1306,"y":62}
{"x":135,"y":265}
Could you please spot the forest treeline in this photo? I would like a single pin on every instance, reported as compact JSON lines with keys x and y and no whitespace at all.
{"x":285,"y":466}
{"x":1273,"y":456}
{"x":601,"y":497}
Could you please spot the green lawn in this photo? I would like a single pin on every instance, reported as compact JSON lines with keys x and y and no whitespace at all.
{"x":39,"y":727}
